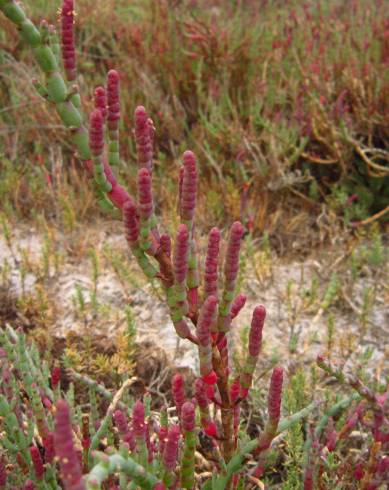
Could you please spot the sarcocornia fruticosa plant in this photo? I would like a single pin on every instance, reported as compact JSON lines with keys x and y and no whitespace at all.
{"x":202,"y":300}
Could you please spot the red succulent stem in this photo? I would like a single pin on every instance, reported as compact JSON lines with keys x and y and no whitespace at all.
{"x":67,"y":39}
{"x":48,"y":445}
{"x":146,"y":213}
{"x":166,"y":244}
{"x":181,"y":253}
{"x":177,"y":294}
{"x":3,"y":473}
{"x":254,"y":347}
{"x":144,"y":133}
{"x":211,"y":267}
{"x":100,"y":100}
{"x":64,"y":449}
{"x":237,"y":305}
{"x":113,"y":101}
{"x":126,"y":434}
{"x":55,"y":377}
{"x":274,"y":413}
{"x":131,"y":223}
{"x":138,"y":421}
{"x":37,"y":462}
{"x":231,"y":268}
{"x":203,"y":330}
{"x":96,"y":133}
{"x":207,"y":423}
{"x":234,"y":396}
{"x":170,"y":452}
{"x":113,"y":116}
{"x":188,"y":189}
{"x":178,"y":392}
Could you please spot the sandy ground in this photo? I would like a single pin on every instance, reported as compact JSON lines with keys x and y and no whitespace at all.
{"x":282,"y":292}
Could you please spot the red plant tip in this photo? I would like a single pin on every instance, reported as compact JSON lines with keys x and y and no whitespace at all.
{"x":237,"y":230}
{"x":178,"y":391}
{"x":131,"y":222}
{"x":101,"y":101}
{"x":181,"y":252}
{"x":188,"y":418}
{"x":113,"y":78}
{"x":189,"y":158}
{"x":140,"y":114}
{"x":255,"y":337}
{"x":37,"y":462}
{"x":121,"y":423}
{"x":64,"y":448}
{"x":55,"y":376}
{"x":211,"y":262}
{"x":144,"y":133}
{"x":145,"y":193}
{"x":67,"y":39}
{"x":275,"y":393}
{"x":214,"y":236}
{"x":189,"y":186}
{"x":48,"y":445}
{"x":113,"y":100}
{"x":138,"y":420}
{"x":166,"y":244}
{"x":96,"y":132}
{"x":170,"y":452}
{"x":237,"y":305}
{"x":211,"y":429}
{"x":232,"y":256}
{"x":207,"y":314}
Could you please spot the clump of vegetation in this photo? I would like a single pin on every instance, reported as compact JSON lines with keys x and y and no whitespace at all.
{"x":50,"y":438}
{"x":283,"y":104}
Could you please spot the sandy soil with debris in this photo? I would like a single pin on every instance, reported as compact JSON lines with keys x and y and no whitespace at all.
{"x":280,"y":291}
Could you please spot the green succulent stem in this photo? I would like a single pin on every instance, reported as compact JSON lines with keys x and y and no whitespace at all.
{"x":188,"y":460}
{"x":113,"y":148}
{"x":147,"y":267}
{"x":118,"y":463}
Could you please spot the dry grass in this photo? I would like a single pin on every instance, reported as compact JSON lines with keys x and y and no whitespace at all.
{"x":284,"y":106}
